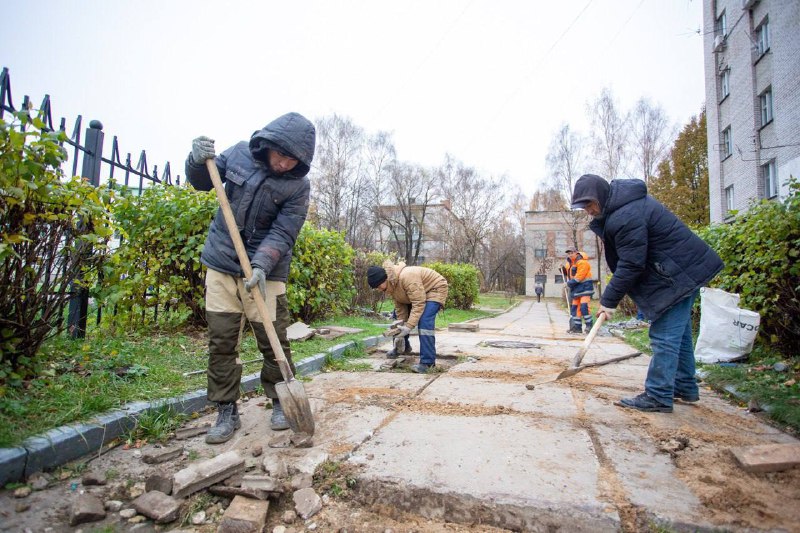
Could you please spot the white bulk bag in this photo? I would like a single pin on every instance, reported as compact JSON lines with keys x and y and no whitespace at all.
{"x":726,"y":331}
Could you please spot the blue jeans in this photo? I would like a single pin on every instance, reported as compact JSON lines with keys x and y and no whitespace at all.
{"x":672,"y":368}
{"x":427,"y":331}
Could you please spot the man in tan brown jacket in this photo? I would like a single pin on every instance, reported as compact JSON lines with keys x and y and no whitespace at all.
{"x":418,"y":293}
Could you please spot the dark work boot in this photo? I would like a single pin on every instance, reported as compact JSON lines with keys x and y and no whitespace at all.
{"x":588,"y":322}
{"x":278,"y":420}
{"x":575,"y":325}
{"x":644,"y":402}
{"x":227,"y":422}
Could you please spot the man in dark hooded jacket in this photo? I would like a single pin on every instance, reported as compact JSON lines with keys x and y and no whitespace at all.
{"x":661,"y":264}
{"x":266,"y":184}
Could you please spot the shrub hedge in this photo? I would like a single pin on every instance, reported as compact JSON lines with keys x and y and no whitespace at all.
{"x":761,"y":249}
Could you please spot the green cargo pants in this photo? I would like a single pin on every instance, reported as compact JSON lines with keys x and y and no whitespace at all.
{"x":229,"y":307}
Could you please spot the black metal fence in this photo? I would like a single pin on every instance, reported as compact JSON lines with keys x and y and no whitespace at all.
{"x":89,"y":151}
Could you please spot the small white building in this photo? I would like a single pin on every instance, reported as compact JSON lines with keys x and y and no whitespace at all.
{"x":548,"y":235}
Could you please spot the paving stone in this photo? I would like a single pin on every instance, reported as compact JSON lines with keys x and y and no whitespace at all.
{"x":39,"y":481}
{"x":201,"y":475}
{"x":93,"y":478}
{"x":244,"y":515}
{"x":266,"y":483}
{"x":158,"y":506}
{"x":187,"y":433}
{"x":113,"y":505}
{"x":154,"y":456}
{"x":299,"y":332}
{"x":86,"y":508}
{"x":301,"y":481}
{"x":275,"y":466}
{"x":309,"y":462}
{"x":306,"y":503}
{"x":463,"y":326}
{"x":230,"y":492}
{"x":159,"y":483}
{"x":768,"y":457}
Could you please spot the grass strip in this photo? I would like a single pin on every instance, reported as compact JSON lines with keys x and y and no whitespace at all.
{"x":90,"y":376}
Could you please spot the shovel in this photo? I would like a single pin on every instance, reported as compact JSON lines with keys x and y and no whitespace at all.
{"x":291,"y":393}
{"x":576,"y":367}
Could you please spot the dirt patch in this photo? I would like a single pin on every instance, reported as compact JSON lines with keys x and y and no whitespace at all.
{"x":344,"y":515}
{"x":450,"y":409}
{"x":384,"y":397}
{"x":493,"y":375}
{"x":736,"y":497}
{"x":700,"y":450}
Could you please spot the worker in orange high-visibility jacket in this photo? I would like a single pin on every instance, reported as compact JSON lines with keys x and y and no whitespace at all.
{"x":581,"y":287}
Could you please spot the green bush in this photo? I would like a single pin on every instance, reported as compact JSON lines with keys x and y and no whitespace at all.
{"x":463,"y":283}
{"x":321,"y":274}
{"x":48,"y":228}
{"x":761,"y":249}
{"x":158,"y":260}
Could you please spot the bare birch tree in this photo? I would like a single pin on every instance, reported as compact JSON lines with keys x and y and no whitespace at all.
{"x":337,"y":180}
{"x":651,"y":137}
{"x":475,"y":205}
{"x":609,"y":135}
{"x":403,"y":211}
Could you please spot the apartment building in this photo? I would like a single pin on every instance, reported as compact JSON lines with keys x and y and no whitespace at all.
{"x":752,"y":80}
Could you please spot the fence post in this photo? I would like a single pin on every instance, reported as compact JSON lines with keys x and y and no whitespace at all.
{"x":92,"y":159}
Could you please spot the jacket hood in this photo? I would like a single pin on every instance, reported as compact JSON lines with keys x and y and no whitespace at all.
{"x":623,"y":192}
{"x":590,"y":187}
{"x":292,"y":134}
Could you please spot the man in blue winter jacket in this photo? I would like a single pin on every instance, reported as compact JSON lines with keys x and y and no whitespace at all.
{"x":266,"y":184}
{"x":661,"y":264}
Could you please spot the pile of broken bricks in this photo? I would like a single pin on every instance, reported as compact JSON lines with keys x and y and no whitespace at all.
{"x":224,"y":475}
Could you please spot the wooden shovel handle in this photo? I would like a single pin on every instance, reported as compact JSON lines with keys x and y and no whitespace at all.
{"x":576,"y":362}
{"x":244,"y":260}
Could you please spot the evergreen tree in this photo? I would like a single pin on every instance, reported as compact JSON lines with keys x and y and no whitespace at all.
{"x":681,"y":182}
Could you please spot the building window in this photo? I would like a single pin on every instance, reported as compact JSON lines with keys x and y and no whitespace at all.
{"x":762,"y":38}
{"x":540,"y":253}
{"x":729,"y":198}
{"x":540,"y":278}
{"x":558,"y":278}
{"x":725,"y":83}
{"x":722,"y":25}
{"x":770,"y":180}
{"x":766,"y":106}
{"x":727,"y":143}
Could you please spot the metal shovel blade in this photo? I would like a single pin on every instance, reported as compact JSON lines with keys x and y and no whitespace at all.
{"x":295,"y":405}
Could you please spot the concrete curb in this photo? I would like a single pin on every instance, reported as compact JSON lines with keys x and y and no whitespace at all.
{"x":67,"y":443}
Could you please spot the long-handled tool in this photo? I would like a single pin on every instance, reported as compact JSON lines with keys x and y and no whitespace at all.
{"x":576,"y":367}
{"x":291,"y":393}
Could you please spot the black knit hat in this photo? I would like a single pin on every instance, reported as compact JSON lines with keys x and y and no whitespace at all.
{"x":375,"y":276}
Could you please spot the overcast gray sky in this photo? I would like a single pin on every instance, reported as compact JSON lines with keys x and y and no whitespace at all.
{"x":488,"y":81}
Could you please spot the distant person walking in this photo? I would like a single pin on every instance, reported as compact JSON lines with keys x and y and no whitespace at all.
{"x":418,"y":293}
{"x":267,"y":187}
{"x":661,"y":264}
{"x":538,"y":289}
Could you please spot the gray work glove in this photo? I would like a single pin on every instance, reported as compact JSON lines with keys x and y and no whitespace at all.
{"x":609,"y":311}
{"x":403,"y":331}
{"x":258,"y":278}
{"x":202,"y":149}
